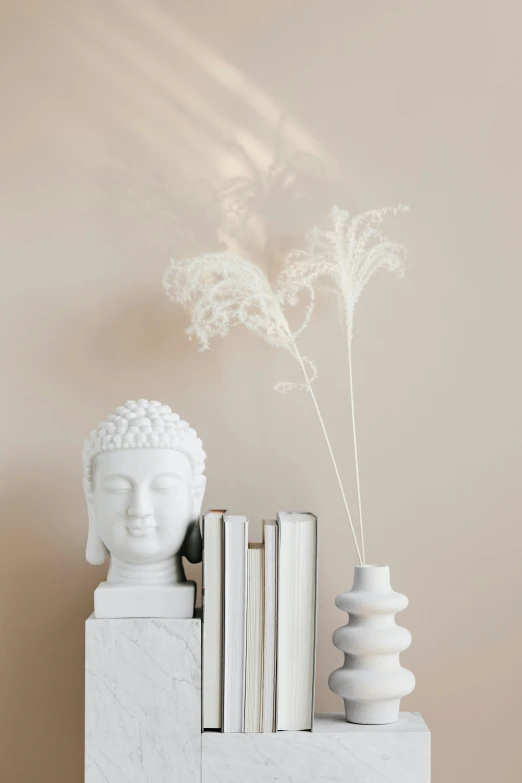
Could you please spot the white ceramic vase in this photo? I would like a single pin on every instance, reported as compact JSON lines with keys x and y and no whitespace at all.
{"x":371,"y":681}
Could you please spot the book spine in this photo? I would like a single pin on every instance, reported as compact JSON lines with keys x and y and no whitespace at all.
{"x":316,"y":526}
{"x":255,"y":641}
{"x":270,"y":627}
{"x":212,"y":606}
{"x":234,"y":635}
{"x":297,"y":635}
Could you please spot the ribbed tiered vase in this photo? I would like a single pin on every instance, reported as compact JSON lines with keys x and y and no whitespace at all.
{"x":372,"y":681}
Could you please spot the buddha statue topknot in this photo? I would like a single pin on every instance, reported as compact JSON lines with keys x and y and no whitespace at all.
{"x":144,"y":484}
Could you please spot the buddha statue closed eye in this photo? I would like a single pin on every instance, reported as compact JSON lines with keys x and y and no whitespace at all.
{"x":144,"y":485}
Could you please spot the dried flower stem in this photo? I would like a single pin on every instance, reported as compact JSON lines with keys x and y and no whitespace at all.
{"x":361,"y":528}
{"x":222,"y":290}
{"x":330,"y":450}
{"x":349,"y":252}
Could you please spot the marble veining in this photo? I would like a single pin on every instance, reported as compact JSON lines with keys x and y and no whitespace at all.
{"x":335,"y":723}
{"x":143,"y":701}
{"x":335,"y":751}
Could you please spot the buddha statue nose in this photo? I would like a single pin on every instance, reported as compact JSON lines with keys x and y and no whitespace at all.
{"x":140,"y":506}
{"x":133,"y":512}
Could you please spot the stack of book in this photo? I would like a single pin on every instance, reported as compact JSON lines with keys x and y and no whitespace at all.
{"x":259,"y":623}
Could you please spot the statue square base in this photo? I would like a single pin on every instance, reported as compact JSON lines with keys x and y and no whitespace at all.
{"x":142,"y":700}
{"x":334,"y":752}
{"x":117,"y":601}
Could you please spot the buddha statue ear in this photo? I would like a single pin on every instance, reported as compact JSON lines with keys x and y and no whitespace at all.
{"x":192,"y":545}
{"x":95,"y":552}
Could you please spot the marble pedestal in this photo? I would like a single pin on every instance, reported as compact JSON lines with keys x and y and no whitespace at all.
{"x":334,"y":752}
{"x":142,"y":701}
{"x":143,"y":722}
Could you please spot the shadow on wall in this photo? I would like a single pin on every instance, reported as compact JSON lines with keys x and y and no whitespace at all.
{"x":161,"y":86}
{"x":261,"y":212}
{"x":183,"y":142}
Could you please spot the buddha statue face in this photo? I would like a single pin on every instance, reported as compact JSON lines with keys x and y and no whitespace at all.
{"x":144,"y":484}
{"x":142,"y":503}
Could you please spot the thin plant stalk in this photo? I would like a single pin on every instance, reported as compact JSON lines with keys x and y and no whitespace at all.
{"x":350,"y":252}
{"x":361,"y":528}
{"x":330,"y":450}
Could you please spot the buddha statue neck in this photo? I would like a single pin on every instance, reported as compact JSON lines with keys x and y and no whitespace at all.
{"x":167,"y":572}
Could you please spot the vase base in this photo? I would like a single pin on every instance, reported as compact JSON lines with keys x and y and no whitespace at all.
{"x":373,"y":713}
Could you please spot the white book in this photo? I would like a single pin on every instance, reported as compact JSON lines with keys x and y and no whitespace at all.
{"x":270,"y":623}
{"x":212,"y":600}
{"x":296,"y":621}
{"x":235,"y":543}
{"x":254,"y":639}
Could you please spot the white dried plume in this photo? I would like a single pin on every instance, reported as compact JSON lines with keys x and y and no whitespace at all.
{"x":223,"y":290}
{"x":349,"y":253}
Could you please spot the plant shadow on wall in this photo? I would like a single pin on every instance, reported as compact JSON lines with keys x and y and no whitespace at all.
{"x":42,"y":735}
{"x":261,"y":211}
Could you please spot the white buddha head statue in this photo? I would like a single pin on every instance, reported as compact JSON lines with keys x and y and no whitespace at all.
{"x":144,"y":485}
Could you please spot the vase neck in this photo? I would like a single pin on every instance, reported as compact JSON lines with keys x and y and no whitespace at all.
{"x":372,"y":577}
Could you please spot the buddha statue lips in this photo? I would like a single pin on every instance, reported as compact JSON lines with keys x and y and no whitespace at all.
{"x":140,"y":530}
{"x":144,"y":484}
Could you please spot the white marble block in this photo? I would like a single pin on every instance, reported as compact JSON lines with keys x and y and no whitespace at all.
{"x":119,"y":601}
{"x":335,"y":751}
{"x":142,"y":700}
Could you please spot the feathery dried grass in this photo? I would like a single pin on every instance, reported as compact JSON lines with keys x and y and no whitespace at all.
{"x":350,"y":253}
{"x":223,"y":290}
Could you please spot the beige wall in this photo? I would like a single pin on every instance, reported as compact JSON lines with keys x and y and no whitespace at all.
{"x":121,"y":122}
